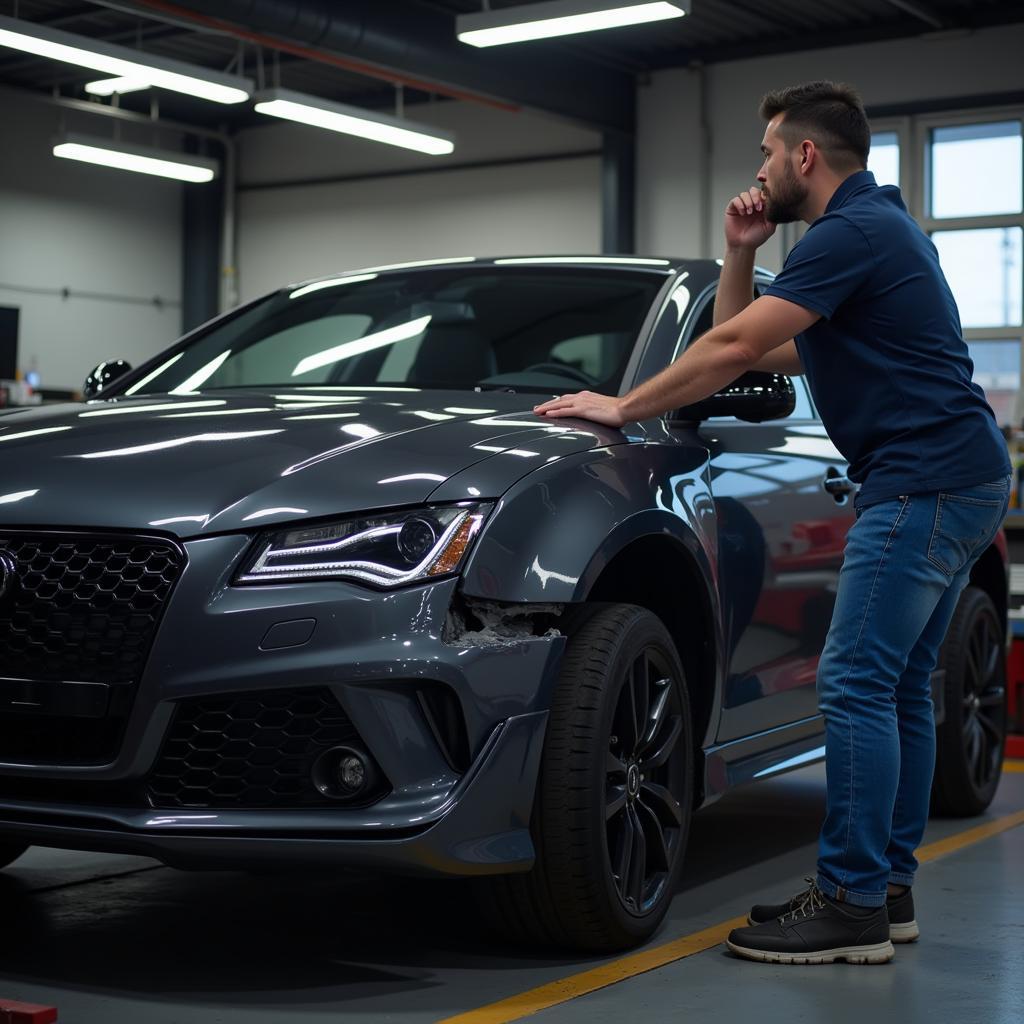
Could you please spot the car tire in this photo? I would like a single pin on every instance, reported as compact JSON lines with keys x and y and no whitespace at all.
{"x":10,"y":852}
{"x":605,"y":794}
{"x":972,"y":737}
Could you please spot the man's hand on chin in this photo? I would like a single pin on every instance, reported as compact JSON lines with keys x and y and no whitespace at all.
{"x":585,"y":405}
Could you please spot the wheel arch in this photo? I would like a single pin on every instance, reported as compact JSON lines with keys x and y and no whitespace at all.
{"x":680,"y":595}
{"x":989,"y":574}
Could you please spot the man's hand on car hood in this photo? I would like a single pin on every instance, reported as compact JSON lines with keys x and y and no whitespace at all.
{"x":585,"y":405}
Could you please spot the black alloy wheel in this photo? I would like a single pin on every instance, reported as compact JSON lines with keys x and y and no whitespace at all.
{"x":615,"y":793}
{"x":971,"y":740}
{"x":644,"y":817}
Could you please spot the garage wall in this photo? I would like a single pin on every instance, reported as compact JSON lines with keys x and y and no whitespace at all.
{"x":669,"y":131}
{"x":544,"y":206}
{"x":91,"y":229}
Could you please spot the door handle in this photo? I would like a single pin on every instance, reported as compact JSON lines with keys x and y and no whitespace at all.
{"x":838,"y":485}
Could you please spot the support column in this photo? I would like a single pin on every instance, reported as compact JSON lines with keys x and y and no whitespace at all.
{"x":618,"y":194}
{"x":202,"y":218}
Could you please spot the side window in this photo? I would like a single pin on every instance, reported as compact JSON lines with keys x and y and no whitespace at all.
{"x":705,"y":320}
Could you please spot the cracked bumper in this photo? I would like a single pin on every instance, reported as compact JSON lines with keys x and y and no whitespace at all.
{"x":372,"y":651}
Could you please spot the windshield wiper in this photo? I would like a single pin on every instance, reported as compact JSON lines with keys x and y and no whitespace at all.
{"x":508,"y":389}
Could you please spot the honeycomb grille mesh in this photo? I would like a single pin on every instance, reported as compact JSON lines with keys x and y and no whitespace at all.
{"x":249,"y":750}
{"x":83,"y":608}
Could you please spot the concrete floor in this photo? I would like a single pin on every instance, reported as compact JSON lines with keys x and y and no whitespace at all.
{"x":109,"y":939}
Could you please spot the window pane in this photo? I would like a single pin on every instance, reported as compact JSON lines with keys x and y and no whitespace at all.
{"x":976,"y":169}
{"x":983,"y":267}
{"x":997,"y":371}
{"x":884,"y":158}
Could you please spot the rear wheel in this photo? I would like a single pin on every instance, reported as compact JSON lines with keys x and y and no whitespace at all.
{"x":612,"y":811}
{"x":10,"y":852}
{"x":971,"y":739}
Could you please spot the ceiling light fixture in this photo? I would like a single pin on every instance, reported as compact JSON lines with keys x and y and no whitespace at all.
{"x":366,"y":124}
{"x":164,"y":163}
{"x":110,"y":86}
{"x":122,"y":62}
{"x":561,"y":18}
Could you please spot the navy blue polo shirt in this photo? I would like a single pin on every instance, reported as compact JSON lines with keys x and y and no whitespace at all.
{"x":887,"y":363}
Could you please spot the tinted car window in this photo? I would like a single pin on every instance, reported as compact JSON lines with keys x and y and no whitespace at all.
{"x":555,"y":329}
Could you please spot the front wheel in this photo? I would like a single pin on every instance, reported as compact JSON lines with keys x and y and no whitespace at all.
{"x":612,"y":811}
{"x":10,"y":852}
{"x":970,"y":741}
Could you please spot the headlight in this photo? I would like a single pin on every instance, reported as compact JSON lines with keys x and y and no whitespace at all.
{"x":386,"y":550}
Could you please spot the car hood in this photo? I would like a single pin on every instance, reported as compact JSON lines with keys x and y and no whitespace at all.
{"x":224,"y":461}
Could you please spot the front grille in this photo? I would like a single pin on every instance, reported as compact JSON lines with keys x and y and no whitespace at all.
{"x":82,"y":609}
{"x":251,"y":750}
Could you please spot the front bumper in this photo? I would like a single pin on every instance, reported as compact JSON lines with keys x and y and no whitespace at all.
{"x":372,"y":651}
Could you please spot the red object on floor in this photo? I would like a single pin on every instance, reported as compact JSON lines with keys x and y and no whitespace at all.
{"x":1015,"y":684}
{"x":26,"y":1013}
{"x":1015,"y":746}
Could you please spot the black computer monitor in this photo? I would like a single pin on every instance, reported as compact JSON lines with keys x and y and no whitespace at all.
{"x":8,"y":342}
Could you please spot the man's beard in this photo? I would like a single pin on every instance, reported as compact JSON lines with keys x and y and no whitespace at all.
{"x":783,"y":203}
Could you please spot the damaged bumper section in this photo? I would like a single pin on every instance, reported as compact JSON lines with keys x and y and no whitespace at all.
{"x":476,"y":623}
{"x":398,"y":731}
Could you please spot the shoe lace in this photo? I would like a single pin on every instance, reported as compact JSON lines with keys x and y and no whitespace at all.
{"x":806,"y":903}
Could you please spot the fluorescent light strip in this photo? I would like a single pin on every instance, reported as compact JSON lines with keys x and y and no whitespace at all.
{"x":32,"y":433}
{"x":794,"y":762}
{"x":110,"y":86}
{"x":366,"y":124}
{"x":201,"y":376}
{"x":122,"y":62}
{"x":153,"y":376}
{"x":141,"y":159}
{"x":391,"y":336}
{"x":142,"y":407}
{"x":317,"y":286}
{"x":560,"y":18}
{"x":419,"y":263}
{"x":610,"y":260}
{"x":177,"y":442}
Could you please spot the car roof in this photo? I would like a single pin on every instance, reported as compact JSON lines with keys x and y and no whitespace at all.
{"x":702,"y":268}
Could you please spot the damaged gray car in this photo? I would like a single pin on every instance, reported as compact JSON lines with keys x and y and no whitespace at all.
{"x":315,"y":587}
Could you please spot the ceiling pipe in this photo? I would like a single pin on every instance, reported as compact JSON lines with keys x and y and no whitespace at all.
{"x":409,"y":44}
{"x":202,"y":20}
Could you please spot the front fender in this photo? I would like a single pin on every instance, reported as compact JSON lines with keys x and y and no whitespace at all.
{"x":555,"y":530}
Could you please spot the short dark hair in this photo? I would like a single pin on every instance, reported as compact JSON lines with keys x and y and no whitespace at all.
{"x":830,"y":114}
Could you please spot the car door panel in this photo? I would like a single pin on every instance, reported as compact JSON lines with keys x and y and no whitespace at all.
{"x":781,"y":537}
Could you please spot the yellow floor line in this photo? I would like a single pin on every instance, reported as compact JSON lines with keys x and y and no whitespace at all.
{"x":527,"y":1003}
{"x":973,"y":835}
{"x":1013,"y":766}
{"x":561,"y":991}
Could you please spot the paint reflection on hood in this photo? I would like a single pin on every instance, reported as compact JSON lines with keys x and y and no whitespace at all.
{"x":227,"y":460}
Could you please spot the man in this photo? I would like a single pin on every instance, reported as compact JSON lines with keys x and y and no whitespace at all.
{"x":863,"y":309}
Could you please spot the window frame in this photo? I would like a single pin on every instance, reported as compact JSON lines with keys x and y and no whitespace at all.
{"x":914,"y":134}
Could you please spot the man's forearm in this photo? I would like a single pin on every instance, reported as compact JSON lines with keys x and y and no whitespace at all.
{"x":708,"y":365}
{"x":735,"y":284}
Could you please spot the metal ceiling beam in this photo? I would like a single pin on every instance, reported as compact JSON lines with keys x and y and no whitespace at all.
{"x":404,"y":37}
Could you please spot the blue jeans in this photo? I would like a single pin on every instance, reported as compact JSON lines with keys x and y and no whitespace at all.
{"x":906,"y":563}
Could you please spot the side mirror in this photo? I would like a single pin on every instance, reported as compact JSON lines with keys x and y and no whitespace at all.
{"x":754,"y":397}
{"x":103,"y":376}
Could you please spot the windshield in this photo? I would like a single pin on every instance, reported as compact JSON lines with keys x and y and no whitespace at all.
{"x":525,"y":329}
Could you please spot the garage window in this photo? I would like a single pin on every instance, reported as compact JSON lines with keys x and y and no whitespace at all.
{"x":884,"y":158}
{"x":967,"y":192}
